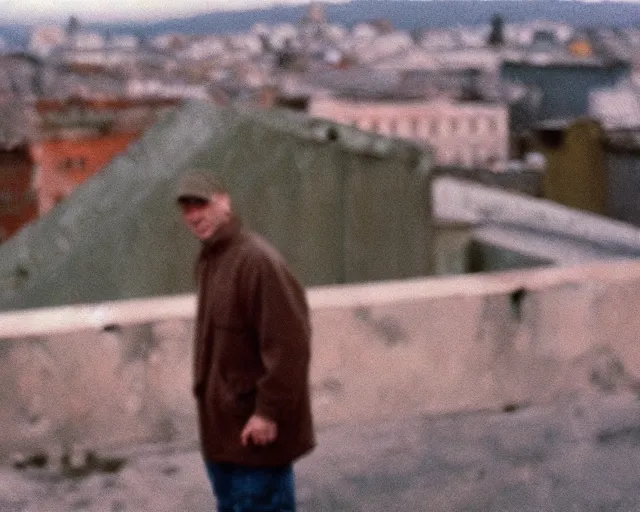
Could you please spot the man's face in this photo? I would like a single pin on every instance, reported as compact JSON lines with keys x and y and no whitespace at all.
{"x":204,"y":218}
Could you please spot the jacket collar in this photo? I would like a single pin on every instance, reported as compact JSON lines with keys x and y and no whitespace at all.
{"x":222,"y":236}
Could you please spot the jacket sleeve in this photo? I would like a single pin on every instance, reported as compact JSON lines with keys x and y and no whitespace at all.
{"x":279,"y":317}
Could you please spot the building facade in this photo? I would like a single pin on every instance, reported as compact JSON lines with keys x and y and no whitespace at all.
{"x":66,"y":161}
{"x":467,"y":134}
{"x":79,"y":138}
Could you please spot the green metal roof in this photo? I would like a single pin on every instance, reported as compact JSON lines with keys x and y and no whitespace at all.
{"x":340,"y":204}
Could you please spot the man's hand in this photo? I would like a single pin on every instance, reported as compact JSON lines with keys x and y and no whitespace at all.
{"x":259,"y":431}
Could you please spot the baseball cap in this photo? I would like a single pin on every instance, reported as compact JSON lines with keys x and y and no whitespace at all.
{"x":198,"y":184}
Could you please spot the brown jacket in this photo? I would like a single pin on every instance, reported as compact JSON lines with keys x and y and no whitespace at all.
{"x":252,"y":350}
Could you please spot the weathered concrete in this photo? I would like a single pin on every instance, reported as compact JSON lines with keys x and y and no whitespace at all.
{"x":580,"y":455}
{"x":118,"y":374}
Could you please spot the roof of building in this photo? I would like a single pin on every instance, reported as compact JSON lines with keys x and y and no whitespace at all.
{"x":119,"y":234}
{"x":616,"y":107}
{"x":101,"y":114}
{"x":531,"y":226}
{"x":17,"y":124}
{"x":623,"y":141}
{"x":557,"y":58}
{"x":366,"y":83}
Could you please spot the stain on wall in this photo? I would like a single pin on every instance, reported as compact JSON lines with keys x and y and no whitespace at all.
{"x":386,"y":328}
{"x":431,"y":352}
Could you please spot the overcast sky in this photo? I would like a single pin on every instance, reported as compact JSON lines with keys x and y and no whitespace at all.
{"x":91,"y":10}
{"x":17,"y":10}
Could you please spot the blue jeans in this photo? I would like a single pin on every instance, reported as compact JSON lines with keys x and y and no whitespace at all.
{"x":249,"y":489}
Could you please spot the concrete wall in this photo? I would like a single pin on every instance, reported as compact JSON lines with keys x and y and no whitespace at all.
{"x":118,"y":373}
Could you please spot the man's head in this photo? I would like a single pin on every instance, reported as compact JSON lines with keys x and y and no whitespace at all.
{"x":204,"y":202}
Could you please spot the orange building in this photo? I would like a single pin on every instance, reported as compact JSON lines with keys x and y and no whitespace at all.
{"x":581,"y":47}
{"x":80,"y":137}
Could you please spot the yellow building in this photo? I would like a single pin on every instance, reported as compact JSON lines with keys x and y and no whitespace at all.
{"x":576,"y":174}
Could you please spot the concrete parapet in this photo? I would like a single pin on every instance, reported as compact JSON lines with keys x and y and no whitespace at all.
{"x":119,"y":373}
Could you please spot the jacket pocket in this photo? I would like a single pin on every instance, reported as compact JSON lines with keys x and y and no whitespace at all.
{"x":246,"y":402}
{"x":240,"y":396}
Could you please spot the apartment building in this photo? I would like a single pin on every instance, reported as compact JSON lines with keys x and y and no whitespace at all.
{"x":461,"y":133}
{"x":79,"y":138}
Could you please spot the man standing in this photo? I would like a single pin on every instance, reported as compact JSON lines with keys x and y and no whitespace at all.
{"x":252,"y":350}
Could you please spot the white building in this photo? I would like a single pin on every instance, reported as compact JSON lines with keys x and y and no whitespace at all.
{"x":170,"y":41}
{"x":524,"y":33}
{"x":124,"y":42}
{"x":139,"y":88}
{"x":204,"y":48}
{"x":474,"y":37}
{"x":364,"y":32}
{"x":383,"y":46}
{"x":436,"y":39}
{"x":616,"y":107}
{"x":335,"y":33}
{"x":412,"y":58}
{"x":281,"y":35}
{"x":250,"y":44}
{"x":87,"y":41}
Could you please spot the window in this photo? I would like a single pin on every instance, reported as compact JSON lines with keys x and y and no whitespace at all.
{"x":415,"y":126}
{"x":473,"y":126}
{"x":434,"y":127}
{"x":453,"y":123}
{"x":493,"y":125}
{"x":476,"y":156}
{"x":73,"y":164}
{"x":363,"y":124}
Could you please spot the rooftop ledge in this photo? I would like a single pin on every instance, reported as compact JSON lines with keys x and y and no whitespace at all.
{"x":37,"y":322}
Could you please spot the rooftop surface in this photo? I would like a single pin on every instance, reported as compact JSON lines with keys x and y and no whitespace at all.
{"x":581,"y":454}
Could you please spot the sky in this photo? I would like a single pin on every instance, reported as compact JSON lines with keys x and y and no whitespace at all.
{"x":110,"y":10}
{"x":91,"y":10}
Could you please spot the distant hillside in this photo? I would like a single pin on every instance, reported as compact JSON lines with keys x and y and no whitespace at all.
{"x":412,"y":15}
{"x":403,"y":14}
{"x":15,"y":36}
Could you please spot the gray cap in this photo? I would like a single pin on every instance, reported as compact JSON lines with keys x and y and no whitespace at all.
{"x":199,"y":184}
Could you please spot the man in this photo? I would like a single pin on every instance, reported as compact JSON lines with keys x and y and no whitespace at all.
{"x":252,"y":350}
